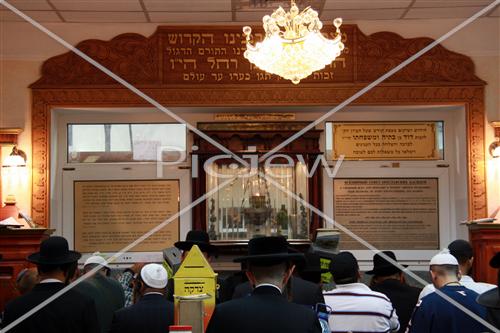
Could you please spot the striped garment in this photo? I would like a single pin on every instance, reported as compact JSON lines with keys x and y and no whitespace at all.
{"x":356,"y":308}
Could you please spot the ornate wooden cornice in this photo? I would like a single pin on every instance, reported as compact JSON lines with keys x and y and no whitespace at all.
{"x":214,"y":55}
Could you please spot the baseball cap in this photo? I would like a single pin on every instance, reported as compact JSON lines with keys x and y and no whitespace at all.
{"x":97,"y":259}
{"x":154,"y":276}
{"x":444,"y":258}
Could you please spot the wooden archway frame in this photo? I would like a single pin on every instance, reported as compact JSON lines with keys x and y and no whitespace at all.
{"x":440,"y":77}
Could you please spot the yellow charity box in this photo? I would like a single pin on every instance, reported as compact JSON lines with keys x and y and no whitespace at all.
{"x":195,"y":279}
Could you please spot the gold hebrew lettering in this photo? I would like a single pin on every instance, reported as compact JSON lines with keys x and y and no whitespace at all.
{"x":172,"y":38}
{"x":196,"y":39}
{"x":211,"y":36}
{"x":217,"y":76}
{"x":211,"y":60}
{"x":188,"y":36}
{"x":190,"y":61}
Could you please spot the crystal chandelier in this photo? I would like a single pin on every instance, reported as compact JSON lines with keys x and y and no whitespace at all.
{"x":293,"y":46}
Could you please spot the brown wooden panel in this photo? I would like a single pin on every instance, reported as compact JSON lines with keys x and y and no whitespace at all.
{"x":485,"y":240}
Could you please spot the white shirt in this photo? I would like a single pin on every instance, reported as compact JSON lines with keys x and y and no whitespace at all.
{"x":466,"y":281}
{"x":268,"y":285}
{"x":355,"y":307}
{"x":153,"y":293}
{"x":50,"y":281}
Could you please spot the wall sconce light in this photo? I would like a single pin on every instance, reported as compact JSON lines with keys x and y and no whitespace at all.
{"x":14,"y":166}
{"x":495,"y":145}
{"x":17,"y":158}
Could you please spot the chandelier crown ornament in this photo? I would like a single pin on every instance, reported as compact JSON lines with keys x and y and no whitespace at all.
{"x":293,"y":46}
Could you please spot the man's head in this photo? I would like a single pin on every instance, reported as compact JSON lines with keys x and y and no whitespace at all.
{"x":277,"y":274}
{"x":462,"y":251}
{"x":196,"y":237}
{"x":383,"y":269}
{"x":26,"y":280}
{"x":444,"y":269}
{"x":344,"y":268}
{"x":55,"y":260}
{"x":96,"y":260}
{"x":269,"y":261}
{"x":152,"y":278}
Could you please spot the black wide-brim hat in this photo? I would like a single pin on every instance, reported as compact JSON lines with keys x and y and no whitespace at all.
{"x":196,"y":237}
{"x":490,"y":298}
{"x":54,"y":251}
{"x":269,"y":251}
{"x":382,"y":267}
{"x":313,"y":264}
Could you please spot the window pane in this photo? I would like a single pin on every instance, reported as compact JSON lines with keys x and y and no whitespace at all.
{"x":120,"y":137}
{"x":108,"y":143}
{"x":87,"y":138}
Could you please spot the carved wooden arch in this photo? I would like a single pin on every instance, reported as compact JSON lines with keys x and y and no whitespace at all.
{"x":181,"y":66}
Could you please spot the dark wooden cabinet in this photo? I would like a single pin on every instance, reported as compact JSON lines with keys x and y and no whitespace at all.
{"x":15,"y":246}
{"x":485,"y":239}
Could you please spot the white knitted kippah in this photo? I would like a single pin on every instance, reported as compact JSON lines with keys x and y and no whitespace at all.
{"x":155,"y":276}
{"x":444,"y":258}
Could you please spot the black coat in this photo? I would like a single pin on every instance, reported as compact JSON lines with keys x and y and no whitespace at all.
{"x":71,"y":312}
{"x":303,"y":292}
{"x":264,"y":311}
{"x":151,"y":314}
{"x":403,"y":298}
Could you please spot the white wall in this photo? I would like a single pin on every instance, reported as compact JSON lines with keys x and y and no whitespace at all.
{"x":23,"y":49}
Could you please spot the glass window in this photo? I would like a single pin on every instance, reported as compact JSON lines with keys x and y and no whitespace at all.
{"x":108,"y":143}
{"x":250,"y":206}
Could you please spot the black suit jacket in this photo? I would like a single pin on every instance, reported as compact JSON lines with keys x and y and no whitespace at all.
{"x":71,"y":312}
{"x":151,"y":314}
{"x":403,"y":298}
{"x":303,"y":292}
{"x":264,"y":311}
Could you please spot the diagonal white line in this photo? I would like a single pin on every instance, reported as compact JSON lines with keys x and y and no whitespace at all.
{"x":151,"y":101}
{"x":116,"y":255}
{"x":375,"y":250}
{"x":147,"y":98}
{"x":120,"y":80}
{"x":382,"y":78}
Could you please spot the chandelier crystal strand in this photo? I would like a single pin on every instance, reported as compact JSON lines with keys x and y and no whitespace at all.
{"x":293,"y":46}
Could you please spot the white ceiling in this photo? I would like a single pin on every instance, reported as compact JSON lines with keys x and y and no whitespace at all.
{"x":226,"y":11}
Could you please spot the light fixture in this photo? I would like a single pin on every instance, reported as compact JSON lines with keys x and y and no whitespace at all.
{"x":495,"y":145}
{"x":293,"y":46}
{"x":14,"y":174}
{"x":17,"y":158}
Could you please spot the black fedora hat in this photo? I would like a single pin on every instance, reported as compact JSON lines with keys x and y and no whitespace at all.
{"x":269,"y":251}
{"x":490,"y":298}
{"x":313,"y":264}
{"x":382,"y":267}
{"x":54,"y":251}
{"x":196,"y":237}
